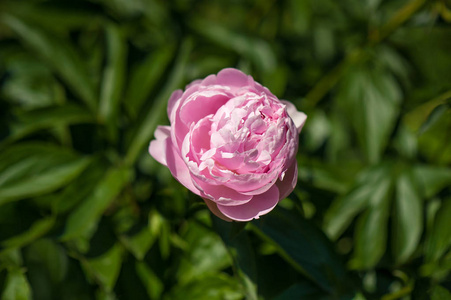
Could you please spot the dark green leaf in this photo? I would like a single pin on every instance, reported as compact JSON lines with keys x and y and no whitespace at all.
{"x":151,"y":282}
{"x":144,"y":78}
{"x":158,"y":109}
{"x":113,"y":75}
{"x":305,"y":247}
{"x":79,"y":189}
{"x":371,"y":227}
{"x":432,"y":179}
{"x":343,"y":210}
{"x":239,"y":243}
{"x":48,"y":118}
{"x":205,"y":254}
{"x":440,"y":293}
{"x":408,"y":218}
{"x":255,"y":50}
{"x":59,"y":54}
{"x":433,"y":117}
{"x":29,"y":170}
{"x":139,"y":243}
{"x":371,"y":98}
{"x":105,"y":268}
{"x":439,"y":239}
{"x":83,"y":220}
{"x":38,"y":229}
{"x":51,"y":256}
{"x":333,"y":178}
{"x":303,"y":290}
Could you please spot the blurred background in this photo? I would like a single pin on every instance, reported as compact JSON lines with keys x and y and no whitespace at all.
{"x":86,"y":213}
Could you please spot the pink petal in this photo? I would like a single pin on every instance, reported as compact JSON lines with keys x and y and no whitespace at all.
{"x":209,"y":80}
{"x":178,"y":167}
{"x":203,"y":104}
{"x":258,"y":206}
{"x":232,"y":77}
{"x":286,"y":186}
{"x":297,"y":116}
{"x":157,"y":147}
{"x":214,"y":209}
{"x":175,"y":96}
{"x":219,"y":193}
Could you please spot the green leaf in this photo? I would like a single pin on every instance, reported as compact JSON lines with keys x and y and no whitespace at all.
{"x":38,"y":229}
{"x":69,"y":16}
{"x":370,"y":98}
{"x":303,"y":290}
{"x":145,"y":77}
{"x":328,"y":177}
{"x":440,"y":293}
{"x":59,"y":54}
{"x":217,"y":287}
{"x":151,"y":282}
{"x":30,"y":83}
{"x":17,"y":286}
{"x":79,"y":189}
{"x":305,"y":247}
{"x":155,"y":115}
{"x":205,"y":254}
{"x":254,"y":49}
{"x":139,"y":243}
{"x":434,"y":117}
{"x":432,"y":179}
{"x":343,"y":210}
{"x":407,"y":218}
{"x":85,"y":217}
{"x":371,"y":227}
{"x":29,"y":170}
{"x":47,"y":118}
{"x":113,"y":75}
{"x":439,"y":239}
{"x":11,"y":258}
{"x":237,"y":240}
{"x":105,"y":268}
{"x":51,"y":256}
{"x":435,"y":143}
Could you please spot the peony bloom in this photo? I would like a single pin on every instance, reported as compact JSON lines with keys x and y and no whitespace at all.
{"x":232,"y":142}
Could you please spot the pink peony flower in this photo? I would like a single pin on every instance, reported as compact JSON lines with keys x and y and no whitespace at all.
{"x":231,"y":142}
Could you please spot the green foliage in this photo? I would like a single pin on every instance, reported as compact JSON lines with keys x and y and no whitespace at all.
{"x":85,"y":213}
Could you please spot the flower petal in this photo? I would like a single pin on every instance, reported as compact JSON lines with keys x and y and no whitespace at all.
{"x":233,"y":77}
{"x":220,"y":193}
{"x":157,"y":147}
{"x":258,"y":206}
{"x":297,"y":116}
{"x":286,"y":186}
{"x":214,"y":209}
{"x":178,"y":167}
{"x":175,"y":96}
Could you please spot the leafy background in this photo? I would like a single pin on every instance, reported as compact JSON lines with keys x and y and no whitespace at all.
{"x":86,"y":213}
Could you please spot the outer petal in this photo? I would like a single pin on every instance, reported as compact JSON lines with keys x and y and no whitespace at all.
{"x":233,"y":77}
{"x":297,"y":116}
{"x":178,"y":167}
{"x":157,"y":147}
{"x":286,"y":186}
{"x":175,"y":96}
{"x":214,"y":209}
{"x":258,"y":206}
{"x":221,"y":194}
